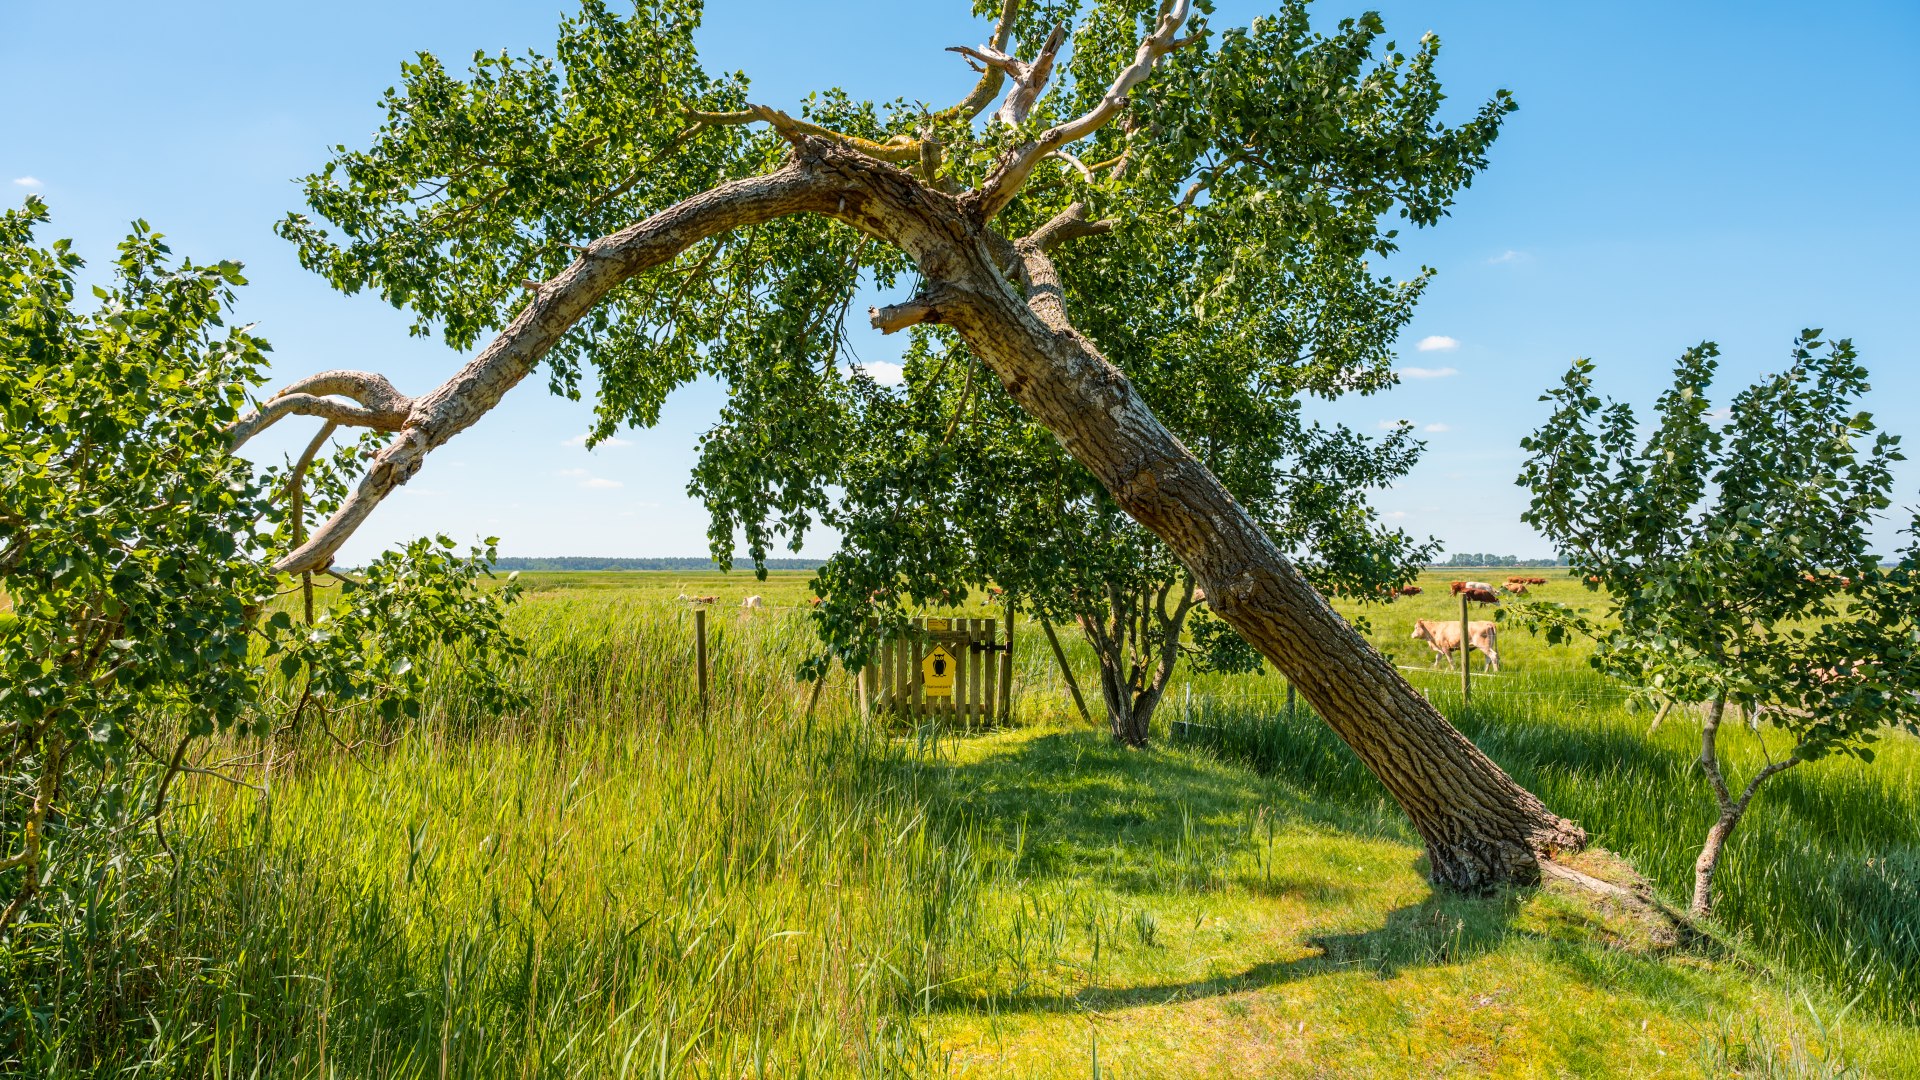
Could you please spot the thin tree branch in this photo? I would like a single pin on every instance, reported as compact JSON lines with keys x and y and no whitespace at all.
{"x":899,"y":149}
{"x":1011,"y":174}
{"x":372,"y":403}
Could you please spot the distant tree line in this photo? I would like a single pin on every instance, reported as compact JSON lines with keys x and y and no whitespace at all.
{"x":587,"y":562}
{"x":1480,"y":558}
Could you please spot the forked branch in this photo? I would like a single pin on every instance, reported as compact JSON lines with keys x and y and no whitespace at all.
{"x":1011,"y":173}
{"x":371,"y":402}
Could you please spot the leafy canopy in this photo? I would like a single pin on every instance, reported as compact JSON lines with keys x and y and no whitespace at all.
{"x":1240,"y":192}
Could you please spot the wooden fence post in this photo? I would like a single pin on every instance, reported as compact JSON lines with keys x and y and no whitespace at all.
{"x":1060,"y":655}
{"x":700,"y":654}
{"x":1006,"y":670}
{"x":1466,"y":655}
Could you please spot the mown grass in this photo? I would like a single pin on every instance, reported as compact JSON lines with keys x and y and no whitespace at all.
{"x":608,"y":885}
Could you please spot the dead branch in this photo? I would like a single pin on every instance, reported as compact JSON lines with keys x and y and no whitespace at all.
{"x":1011,"y":174}
{"x":440,"y":414}
{"x":372,"y":402}
{"x":990,"y":77}
{"x":924,"y":307}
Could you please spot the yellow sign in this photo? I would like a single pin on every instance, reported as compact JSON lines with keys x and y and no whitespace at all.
{"x":939,"y":624}
{"x":936,"y":673}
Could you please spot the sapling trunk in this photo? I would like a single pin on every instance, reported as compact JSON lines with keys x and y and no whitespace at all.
{"x":1731,"y":809}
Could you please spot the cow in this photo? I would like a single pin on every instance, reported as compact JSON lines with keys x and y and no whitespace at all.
{"x":753,"y":602}
{"x":703,"y":600}
{"x":1458,"y":587}
{"x":1409,"y":590}
{"x":1444,"y":637}
{"x":1536,"y":581}
{"x":1517,"y":588}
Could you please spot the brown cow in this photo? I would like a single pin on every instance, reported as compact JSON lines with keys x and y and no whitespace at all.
{"x":1517,"y":588}
{"x":1444,"y":637}
{"x":1409,"y":590}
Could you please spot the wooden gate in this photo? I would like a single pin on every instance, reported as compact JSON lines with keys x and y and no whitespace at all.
{"x":958,"y":668}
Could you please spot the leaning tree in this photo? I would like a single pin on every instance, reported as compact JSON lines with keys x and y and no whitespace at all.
{"x":616,"y":205}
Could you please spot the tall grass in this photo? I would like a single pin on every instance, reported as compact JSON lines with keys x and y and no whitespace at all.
{"x":613,"y":884}
{"x":606,"y":885}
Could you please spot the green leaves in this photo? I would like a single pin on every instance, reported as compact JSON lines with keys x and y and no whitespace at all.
{"x":417,"y":603}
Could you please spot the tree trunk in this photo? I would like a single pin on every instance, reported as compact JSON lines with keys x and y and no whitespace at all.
{"x":1481,"y":829}
{"x":1731,"y":809}
{"x":1708,"y":862}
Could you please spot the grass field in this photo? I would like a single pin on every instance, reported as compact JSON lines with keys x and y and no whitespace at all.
{"x":607,"y":885}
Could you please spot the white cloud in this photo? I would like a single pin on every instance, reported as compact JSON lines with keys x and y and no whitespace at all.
{"x":1389,"y":425}
{"x":611,"y":441}
{"x":1511,"y":256}
{"x":1437,"y":343}
{"x":27,"y":181}
{"x":1395,"y":515}
{"x":1436,"y":428}
{"x":1427,"y":372}
{"x":884,"y":372}
{"x":570,"y":472}
{"x":601,"y":483}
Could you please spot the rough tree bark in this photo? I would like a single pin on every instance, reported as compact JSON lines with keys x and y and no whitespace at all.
{"x":1004,"y":299}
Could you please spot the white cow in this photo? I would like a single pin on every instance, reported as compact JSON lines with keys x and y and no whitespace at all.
{"x":753,"y":602}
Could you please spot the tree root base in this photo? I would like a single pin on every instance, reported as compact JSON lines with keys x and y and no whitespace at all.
{"x":1621,"y":899}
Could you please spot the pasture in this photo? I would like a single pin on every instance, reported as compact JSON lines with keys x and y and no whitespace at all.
{"x":605,"y":885}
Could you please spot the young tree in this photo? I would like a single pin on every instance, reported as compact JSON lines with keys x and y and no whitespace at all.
{"x":1733,"y":560}
{"x":616,"y":205}
{"x":134,"y":561}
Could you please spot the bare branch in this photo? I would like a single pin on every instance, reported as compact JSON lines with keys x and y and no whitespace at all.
{"x":1078,"y":165}
{"x":1011,"y":174}
{"x":1029,"y":79}
{"x":924,"y":307}
{"x":899,"y":149}
{"x":440,"y":414}
{"x":373,"y":403}
{"x":990,"y":76}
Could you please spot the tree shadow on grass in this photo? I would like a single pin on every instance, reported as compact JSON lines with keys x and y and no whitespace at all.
{"x":1438,"y":931}
{"x":1076,"y":805}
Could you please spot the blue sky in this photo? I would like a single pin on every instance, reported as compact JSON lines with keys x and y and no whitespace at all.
{"x":1676,"y":172}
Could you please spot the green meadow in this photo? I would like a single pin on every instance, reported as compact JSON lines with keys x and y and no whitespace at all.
{"x":614,"y":883}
